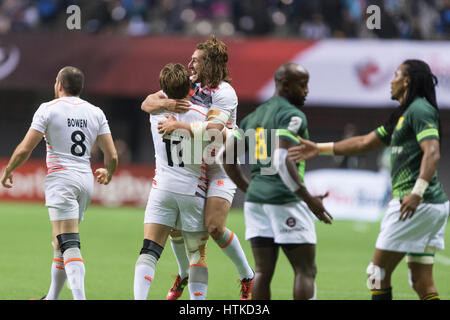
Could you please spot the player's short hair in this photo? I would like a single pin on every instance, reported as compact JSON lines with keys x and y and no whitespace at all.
{"x":215,"y":58}
{"x":174,"y":81}
{"x":72,"y":80}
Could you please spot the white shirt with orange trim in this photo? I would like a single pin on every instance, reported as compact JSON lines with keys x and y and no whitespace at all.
{"x":70,"y":126}
{"x":175,"y":171}
{"x":223,"y":98}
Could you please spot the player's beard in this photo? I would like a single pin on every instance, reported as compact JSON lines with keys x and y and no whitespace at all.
{"x":200,"y":77}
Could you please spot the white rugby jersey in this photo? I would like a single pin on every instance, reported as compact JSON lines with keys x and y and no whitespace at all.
{"x":172,"y":173}
{"x":70,"y":126}
{"x":222,"y":98}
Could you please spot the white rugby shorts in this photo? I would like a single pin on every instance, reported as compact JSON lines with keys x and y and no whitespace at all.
{"x":219,"y":184}
{"x":68,"y":194}
{"x":287,"y":223}
{"x":425,"y":229}
{"x":178,"y":211}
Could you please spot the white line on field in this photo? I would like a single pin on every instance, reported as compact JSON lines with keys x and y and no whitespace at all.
{"x":442,"y":259}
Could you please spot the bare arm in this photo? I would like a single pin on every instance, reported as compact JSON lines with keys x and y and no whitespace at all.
{"x":21,"y":155}
{"x":111,"y":160}
{"x":231,"y":166}
{"x":157,"y":102}
{"x":358,"y":145}
{"x":172,"y":124}
{"x":430,"y":158}
{"x":428,"y":166}
{"x":291,"y":178}
{"x":351,"y":146}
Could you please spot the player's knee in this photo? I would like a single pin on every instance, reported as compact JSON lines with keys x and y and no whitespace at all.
{"x":68,"y":240}
{"x":215,"y":230}
{"x":306,"y":270}
{"x":375,"y":275}
{"x":176,"y":234}
{"x":152,"y":248}
{"x":196,"y":247}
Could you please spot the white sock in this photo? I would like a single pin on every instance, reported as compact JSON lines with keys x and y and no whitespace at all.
{"x":143,"y":275}
{"x":75,"y":271}
{"x":198,"y":282}
{"x":179,"y":250}
{"x":314,"y":297}
{"x":197,"y":290}
{"x":231,"y":246}
{"x":58,"y":276}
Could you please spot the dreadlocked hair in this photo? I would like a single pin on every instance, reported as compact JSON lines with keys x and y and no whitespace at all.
{"x":422,"y":84}
{"x":215,"y":59}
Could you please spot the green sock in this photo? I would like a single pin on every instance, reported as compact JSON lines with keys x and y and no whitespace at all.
{"x":381,"y":294}
{"x":432,"y":296}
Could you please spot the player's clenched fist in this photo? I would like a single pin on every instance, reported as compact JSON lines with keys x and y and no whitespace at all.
{"x":103,"y":176}
{"x":5,"y":177}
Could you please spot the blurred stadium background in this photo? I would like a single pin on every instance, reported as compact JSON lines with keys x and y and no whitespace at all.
{"x":122,"y":45}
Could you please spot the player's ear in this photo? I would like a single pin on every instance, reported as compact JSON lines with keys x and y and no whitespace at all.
{"x":285,"y":86}
{"x":406,"y":81}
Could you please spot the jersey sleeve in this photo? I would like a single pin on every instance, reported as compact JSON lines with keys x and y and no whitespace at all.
{"x":424,"y":122}
{"x":290,"y":125}
{"x":383,"y":135}
{"x":103,"y":124}
{"x":40,"y":119}
{"x":238,"y":134}
{"x":224,"y":102}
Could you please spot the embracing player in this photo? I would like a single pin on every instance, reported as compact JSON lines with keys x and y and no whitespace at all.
{"x":70,"y":126}
{"x":210,"y":89}
{"x":177,"y":197}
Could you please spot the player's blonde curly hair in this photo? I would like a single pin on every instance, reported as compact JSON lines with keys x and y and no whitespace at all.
{"x":215,"y":58}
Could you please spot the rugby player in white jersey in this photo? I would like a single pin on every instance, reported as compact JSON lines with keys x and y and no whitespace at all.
{"x":70,"y":126}
{"x":178,"y":194}
{"x":211,"y":89}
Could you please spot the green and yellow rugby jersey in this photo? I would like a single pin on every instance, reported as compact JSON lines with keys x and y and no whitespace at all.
{"x":419,"y":122}
{"x":276,"y":118}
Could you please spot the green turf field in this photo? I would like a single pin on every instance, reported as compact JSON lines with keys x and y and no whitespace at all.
{"x":112,"y":237}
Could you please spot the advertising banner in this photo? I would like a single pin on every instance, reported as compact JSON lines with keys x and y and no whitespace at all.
{"x":348,"y":73}
{"x":130,"y":185}
{"x":358,"y":195}
{"x":358,"y":73}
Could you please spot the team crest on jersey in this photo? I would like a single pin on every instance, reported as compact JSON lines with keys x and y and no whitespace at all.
{"x":400,"y":123}
{"x":290,"y":222}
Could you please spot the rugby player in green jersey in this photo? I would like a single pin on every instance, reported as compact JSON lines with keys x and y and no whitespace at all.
{"x":415,"y":221}
{"x":278,"y":209}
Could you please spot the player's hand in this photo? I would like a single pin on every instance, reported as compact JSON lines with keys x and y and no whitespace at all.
{"x":178,"y":105}
{"x":409,"y":206}
{"x":305,"y":151}
{"x":5,"y":177}
{"x":315,"y":204}
{"x":103,"y":176}
{"x":167,"y":126}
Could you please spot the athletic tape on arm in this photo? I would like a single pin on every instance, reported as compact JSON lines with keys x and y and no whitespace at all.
{"x":279,"y":162}
{"x":199,"y":128}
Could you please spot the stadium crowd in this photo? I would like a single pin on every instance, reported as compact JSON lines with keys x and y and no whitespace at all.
{"x":404,"y":19}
